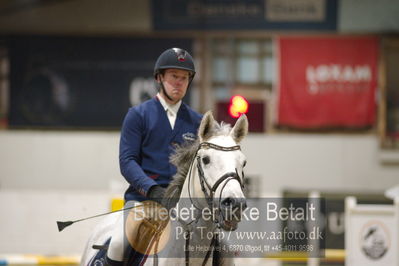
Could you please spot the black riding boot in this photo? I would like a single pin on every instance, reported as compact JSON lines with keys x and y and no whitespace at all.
{"x":110,"y":262}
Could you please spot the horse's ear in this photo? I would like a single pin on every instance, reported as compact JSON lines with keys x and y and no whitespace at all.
{"x":205,"y":128}
{"x":240,"y":129}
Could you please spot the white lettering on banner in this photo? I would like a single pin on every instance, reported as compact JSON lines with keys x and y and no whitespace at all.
{"x":333,"y":78}
{"x":199,"y":9}
{"x":141,"y":89}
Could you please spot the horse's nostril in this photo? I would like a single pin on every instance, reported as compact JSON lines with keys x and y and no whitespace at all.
{"x":228,"y":202}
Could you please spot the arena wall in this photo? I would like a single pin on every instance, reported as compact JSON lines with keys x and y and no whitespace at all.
{"x":47,"y":176}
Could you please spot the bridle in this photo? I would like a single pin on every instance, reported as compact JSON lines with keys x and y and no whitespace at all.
{"x":228,"y":176}
{"x":209,"y":196}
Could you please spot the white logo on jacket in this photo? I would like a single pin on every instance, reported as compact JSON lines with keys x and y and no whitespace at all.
{"x":189,"y":136}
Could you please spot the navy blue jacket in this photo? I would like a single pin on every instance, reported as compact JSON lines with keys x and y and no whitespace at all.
{"x":147,"y":141}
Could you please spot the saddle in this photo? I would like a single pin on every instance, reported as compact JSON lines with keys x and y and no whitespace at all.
{"x":147,"y":228}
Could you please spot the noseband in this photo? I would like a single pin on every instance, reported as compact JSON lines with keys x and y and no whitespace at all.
{"x":227,"y":176}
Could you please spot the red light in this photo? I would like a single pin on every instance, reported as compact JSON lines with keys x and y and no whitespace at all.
{"x":238,"y":105}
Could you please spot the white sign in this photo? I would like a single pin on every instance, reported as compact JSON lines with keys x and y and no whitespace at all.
{"x":371,"y":234}
{"x":295,"y":10}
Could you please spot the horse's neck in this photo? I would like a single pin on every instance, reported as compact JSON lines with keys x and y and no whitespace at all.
{"x":195,"y":228}
{"x":192,"y":197}
{"x":192,"y":188}
{"x":200,"y":231}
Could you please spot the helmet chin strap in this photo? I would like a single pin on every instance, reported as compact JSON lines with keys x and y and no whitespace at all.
{"x":165,"y":93}
{"x":163,"y":88}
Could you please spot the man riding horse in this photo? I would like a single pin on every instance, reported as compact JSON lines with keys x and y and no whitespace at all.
{"x":149,"y":135}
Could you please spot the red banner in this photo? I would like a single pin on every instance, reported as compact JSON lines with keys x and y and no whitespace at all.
{"x":327,"y":82}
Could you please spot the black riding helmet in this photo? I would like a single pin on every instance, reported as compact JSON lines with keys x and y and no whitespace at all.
{"x":175,"y":58}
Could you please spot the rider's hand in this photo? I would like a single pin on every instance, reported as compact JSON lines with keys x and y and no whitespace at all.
{"x":156,"y":193}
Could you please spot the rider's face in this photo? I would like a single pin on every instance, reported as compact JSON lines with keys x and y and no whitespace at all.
{"x":175,"y":82}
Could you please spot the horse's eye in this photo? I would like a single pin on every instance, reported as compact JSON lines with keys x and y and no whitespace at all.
{"x":244,"y":164}
{"x":206,"y":159}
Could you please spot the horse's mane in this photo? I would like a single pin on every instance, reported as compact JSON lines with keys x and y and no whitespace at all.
{"x":182,"y":159}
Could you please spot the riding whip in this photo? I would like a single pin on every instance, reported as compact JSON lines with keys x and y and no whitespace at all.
{"x":63,"y":225}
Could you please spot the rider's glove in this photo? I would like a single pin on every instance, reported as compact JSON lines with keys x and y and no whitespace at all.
{"x":156,"y":193}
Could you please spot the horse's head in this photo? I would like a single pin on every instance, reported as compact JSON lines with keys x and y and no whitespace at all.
{"x":220,"y":164}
